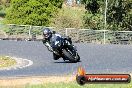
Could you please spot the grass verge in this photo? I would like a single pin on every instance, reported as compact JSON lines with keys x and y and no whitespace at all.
{"x":51,"y":82}
{"x":6,"y":61}
{"x":75,"y":85}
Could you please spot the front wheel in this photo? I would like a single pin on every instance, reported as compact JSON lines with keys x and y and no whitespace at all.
{"x":69,"y":55}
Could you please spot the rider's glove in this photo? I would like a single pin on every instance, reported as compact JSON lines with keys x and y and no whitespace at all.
{"x":50,"y":49}
{"x":48,"y":46}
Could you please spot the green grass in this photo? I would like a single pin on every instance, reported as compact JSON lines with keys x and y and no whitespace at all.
{"x":75,"y":85}
{"x":75,"y":12}
{"x":69,"y":17}
{"x":6,"y":61}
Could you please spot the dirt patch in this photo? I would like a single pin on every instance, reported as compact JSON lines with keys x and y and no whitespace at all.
{"x":19,"y":63}
{"x":35,"y":80}
{"x":6,"y":61}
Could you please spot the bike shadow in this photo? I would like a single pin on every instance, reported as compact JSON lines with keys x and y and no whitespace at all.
{"x":66,"y":62}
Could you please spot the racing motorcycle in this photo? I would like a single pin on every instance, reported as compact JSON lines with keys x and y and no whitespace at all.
{"x":63,"y":48}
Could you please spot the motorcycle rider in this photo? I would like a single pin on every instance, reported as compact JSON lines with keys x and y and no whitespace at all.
{"x":49,"y":39}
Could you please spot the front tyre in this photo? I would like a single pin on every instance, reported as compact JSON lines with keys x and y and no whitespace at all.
{"x":78,"y":57}
{"x":70,"y":56}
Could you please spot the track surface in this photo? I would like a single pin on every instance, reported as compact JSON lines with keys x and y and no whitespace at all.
{"x":94,"y":58}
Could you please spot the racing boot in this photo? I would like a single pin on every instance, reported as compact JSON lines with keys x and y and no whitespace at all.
{"x":55,"y":57}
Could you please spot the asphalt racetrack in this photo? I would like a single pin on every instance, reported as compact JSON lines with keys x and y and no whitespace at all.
{"x":95,"y":58}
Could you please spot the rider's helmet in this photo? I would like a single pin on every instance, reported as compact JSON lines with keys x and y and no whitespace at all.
{"x":47,"y":33}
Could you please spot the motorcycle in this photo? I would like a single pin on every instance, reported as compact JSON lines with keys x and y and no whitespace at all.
{"x":63,"y":48}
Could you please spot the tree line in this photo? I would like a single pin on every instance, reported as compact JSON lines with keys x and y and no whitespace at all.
{"x":42,"y":12}
{"x":118,"y":14}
